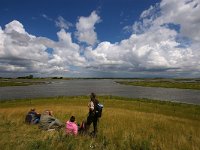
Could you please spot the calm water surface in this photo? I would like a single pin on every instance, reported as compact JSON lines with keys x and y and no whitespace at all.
{"x":99,"y":86}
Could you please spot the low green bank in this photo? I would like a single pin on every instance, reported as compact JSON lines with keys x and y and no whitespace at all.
{"x":164,"y":84}
{"x":19,"y":82}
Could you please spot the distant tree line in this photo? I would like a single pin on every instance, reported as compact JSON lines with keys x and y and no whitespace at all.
{"x":5,"y":78}
{"x":57,"y":77}
{"x":26,"y":77}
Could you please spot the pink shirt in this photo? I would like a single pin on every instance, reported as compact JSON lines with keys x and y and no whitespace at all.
{"x":71,"y":128}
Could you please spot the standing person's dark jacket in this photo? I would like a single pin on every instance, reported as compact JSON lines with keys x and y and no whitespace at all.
{"x":92,"y":117}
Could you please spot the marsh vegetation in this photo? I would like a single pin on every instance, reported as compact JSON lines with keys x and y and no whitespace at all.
{"x":165,"y":83}
{"x":19,"y":82}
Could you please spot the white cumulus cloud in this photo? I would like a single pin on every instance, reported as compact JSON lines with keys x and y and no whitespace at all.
{"x":184,"y":13}
{"x":153,"y":45}
{"x":85,"y":28}
{"x":21,"y":52}
{"x":164,"y":41}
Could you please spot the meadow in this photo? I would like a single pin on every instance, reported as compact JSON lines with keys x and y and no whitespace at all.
{"x":179,"y":84}
{"x":136,"y":124}
{"x":20,"y":82}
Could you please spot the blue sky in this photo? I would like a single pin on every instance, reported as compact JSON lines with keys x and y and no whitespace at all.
{"x":115,"y":15}
{"x":100,"y":38}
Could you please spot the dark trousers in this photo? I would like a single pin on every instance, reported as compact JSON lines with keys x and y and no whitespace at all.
{"x":92,"y":118}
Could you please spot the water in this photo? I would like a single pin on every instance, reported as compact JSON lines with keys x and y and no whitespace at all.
{"x":100,"y":87}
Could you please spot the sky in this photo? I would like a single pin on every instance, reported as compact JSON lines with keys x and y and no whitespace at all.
{"x":100,"y":38}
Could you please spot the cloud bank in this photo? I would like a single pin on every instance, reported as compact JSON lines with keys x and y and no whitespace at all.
{"x":165,"y":41}
{"x":21,"y":52}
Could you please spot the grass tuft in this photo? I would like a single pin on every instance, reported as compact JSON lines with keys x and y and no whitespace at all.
{"x":164,"y":84}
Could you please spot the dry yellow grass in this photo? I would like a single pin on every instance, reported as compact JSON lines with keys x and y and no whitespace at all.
{"x":124,"y":125}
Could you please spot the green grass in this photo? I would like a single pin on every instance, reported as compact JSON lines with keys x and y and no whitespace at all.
{"x":19,"y":82}
{"x":126,"y":124}
{"x":164,"y":84}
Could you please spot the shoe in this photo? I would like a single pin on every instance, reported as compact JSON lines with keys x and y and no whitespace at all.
{"x":93,"y":134}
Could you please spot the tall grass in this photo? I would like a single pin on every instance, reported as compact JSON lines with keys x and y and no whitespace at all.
{"x":125,"y":124}
{"x":20,"y":82}
{"x":164,"y":84}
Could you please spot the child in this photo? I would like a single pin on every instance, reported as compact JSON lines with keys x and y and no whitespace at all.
{"x":71,"y":127}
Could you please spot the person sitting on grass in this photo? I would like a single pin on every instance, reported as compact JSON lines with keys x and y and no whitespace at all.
{"x":82,"y":128}
{"x":32,"y":117}
{"x":71,"y":126}
{"x":49,"y":122}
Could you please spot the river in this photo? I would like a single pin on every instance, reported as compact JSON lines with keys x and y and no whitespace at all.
{"x":100,"y":87}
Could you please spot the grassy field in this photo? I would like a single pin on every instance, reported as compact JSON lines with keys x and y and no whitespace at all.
{"x":165,"y":84}
{"x":125,"y":124}
{"x":20,"y":82}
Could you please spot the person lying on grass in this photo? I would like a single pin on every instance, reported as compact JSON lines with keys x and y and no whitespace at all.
{"x":32,"y":117}
{"x":48,"y":121}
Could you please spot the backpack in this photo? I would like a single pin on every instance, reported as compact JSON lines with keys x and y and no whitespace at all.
{"x":99,"y":108}
{"x":28,"y":118}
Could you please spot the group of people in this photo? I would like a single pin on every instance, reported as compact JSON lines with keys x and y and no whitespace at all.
{"x":48,"y":122}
